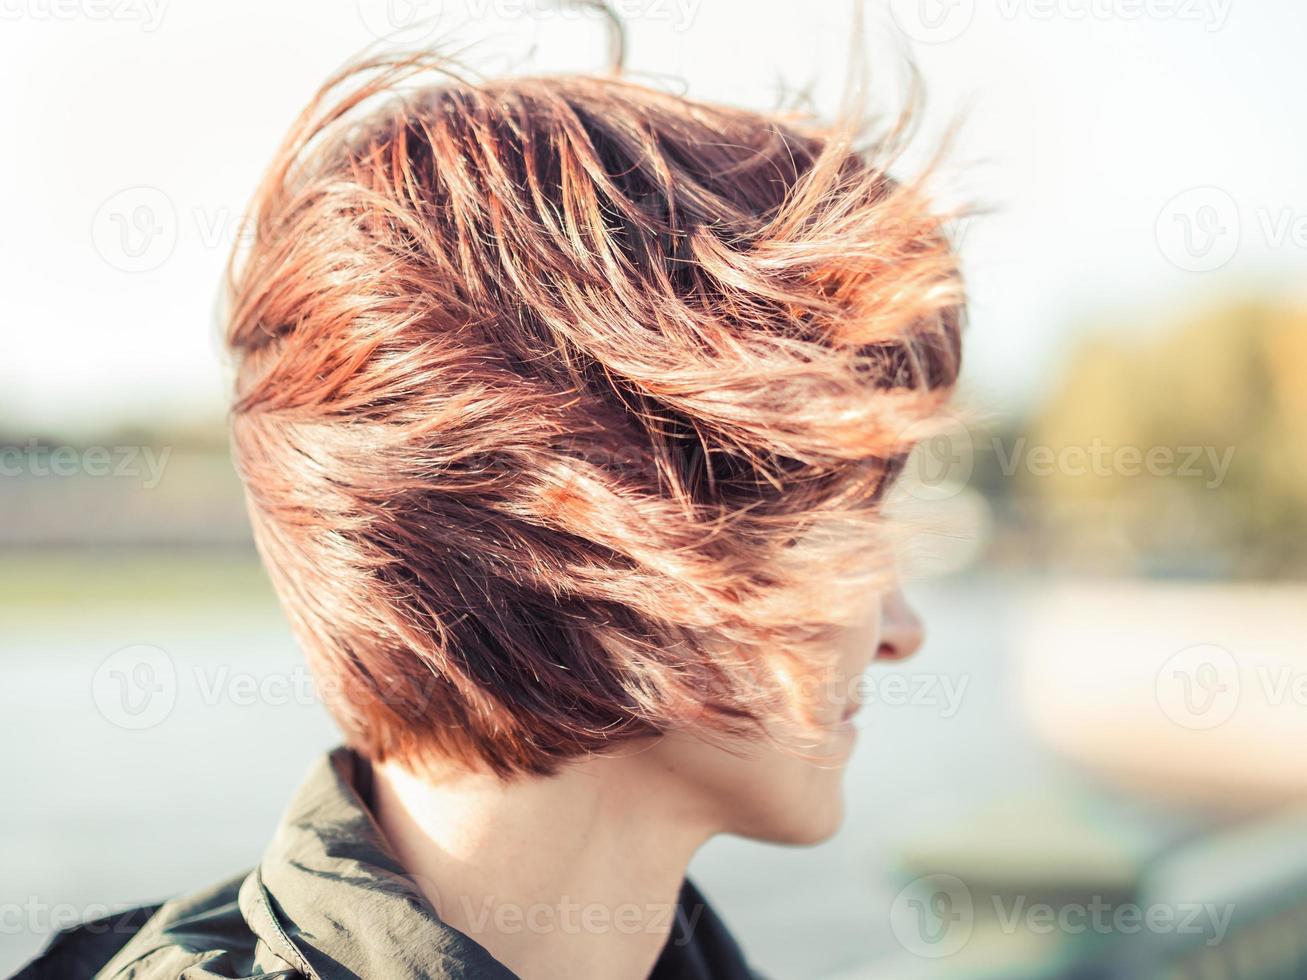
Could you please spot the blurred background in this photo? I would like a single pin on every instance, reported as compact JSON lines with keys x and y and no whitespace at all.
{"x":1094,"y":769}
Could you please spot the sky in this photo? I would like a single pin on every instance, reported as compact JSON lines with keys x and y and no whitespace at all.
{"x":1133,"y":158}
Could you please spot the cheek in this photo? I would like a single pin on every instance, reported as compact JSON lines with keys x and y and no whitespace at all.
{"x":835,"y":686}
{"x":855,"y":649}
{"x":860,"y":642}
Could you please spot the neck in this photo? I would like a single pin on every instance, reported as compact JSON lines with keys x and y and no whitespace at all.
{"x":571,"y":876}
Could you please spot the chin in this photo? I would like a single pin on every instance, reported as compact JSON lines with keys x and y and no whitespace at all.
{"x":763,"y":792}
{"x":804,"y":822}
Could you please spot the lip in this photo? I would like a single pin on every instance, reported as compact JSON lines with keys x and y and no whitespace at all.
{"x":846,"y":731}
{"x":893,"y":656}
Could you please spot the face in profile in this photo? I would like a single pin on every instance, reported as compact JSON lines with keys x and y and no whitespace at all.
{"x":790,"y":790}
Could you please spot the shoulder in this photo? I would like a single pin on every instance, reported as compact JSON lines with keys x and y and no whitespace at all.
{"x":201,"y":935}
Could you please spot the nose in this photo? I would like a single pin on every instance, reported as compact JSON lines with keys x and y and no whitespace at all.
{"x":901,"y":632}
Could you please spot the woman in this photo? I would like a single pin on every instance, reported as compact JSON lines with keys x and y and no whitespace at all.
{"x":566,"y":409}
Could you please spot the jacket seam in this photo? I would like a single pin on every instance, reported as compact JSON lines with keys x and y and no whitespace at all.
{"x":265,"y":906}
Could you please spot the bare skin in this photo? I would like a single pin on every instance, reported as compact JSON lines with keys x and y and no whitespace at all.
{"x":576,"y":876}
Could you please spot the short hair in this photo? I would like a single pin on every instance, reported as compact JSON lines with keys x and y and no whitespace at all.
{"x":540,"y":381}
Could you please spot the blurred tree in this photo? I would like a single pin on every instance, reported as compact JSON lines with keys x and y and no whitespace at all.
{"x":1183,"y":453}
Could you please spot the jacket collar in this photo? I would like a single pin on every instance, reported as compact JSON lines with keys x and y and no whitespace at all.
{"x":331,"y":898}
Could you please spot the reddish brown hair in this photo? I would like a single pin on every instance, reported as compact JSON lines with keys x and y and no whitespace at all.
{"x":539,"y":382}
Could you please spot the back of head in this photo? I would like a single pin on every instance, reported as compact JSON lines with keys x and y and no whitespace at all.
{"x":562,"y":403}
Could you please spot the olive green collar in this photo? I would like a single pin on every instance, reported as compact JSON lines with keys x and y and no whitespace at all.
{"x":331,"y":898}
